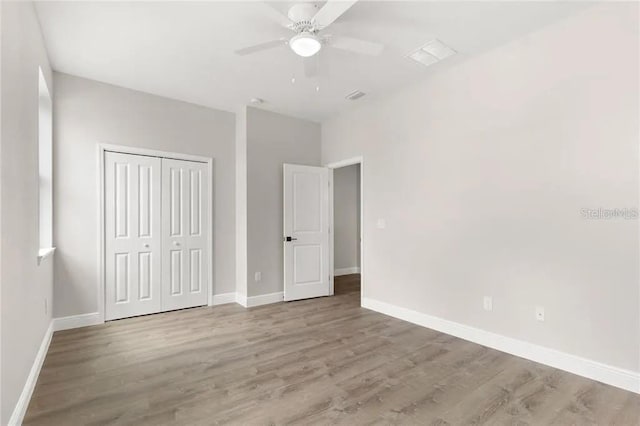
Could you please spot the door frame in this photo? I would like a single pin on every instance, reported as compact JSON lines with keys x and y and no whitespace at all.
{"x":332,"y":166}
{"x":103,"y":148}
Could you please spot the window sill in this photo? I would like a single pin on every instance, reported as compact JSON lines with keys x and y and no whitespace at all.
{"x":43,"y":253}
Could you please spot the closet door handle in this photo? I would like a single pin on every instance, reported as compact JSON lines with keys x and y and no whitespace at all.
{"x":175,"y":243}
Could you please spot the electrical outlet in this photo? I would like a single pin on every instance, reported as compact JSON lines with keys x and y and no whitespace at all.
{"x":257,"y":277}
{"x":540,"y":313}
{"x":488,"y":303}
{"x":381,"y":224}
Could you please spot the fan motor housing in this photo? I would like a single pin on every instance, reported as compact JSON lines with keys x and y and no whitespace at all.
{"x":302,"y":14}
{"x":304,"y":27}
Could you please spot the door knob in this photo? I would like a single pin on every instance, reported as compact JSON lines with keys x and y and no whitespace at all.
{"x":290,"y":239}
{"x":146,"y":246}
{"x":175,"y":243}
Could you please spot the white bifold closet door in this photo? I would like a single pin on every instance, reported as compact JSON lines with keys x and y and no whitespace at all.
{"x":156,"y":256}
{"x":184,"y":234}
{"x":133,"y":235}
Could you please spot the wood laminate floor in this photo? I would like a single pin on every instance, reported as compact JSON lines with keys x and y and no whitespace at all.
{"x":320,"y":361}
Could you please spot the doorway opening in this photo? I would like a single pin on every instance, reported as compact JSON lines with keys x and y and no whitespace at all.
{"x":346,"y":235}
{"x":323,"y":232}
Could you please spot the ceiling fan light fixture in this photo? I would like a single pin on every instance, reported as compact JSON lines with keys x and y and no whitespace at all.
{"x":305,"y":44}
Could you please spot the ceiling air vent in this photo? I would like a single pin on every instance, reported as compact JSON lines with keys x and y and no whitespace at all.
{"x":355,"y":95}
{"x":432,"y":52}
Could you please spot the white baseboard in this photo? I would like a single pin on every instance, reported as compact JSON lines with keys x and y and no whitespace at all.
{"x":221,"y":299}
{"x":76,"y":321}
{"x":263,"y":299}
{"x":241,"y":299}
{"x":23,"y":401}
{"x":251,"y":301}
{"x":346,"y":271}
{"x":614,"y":376}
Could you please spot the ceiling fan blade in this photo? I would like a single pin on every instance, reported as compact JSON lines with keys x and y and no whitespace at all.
{"x":331,"y":11}
{"x":275,"y":15}
{"x":311,"y":66}
{"x":355,"y":45}
{"x":262,"y":46}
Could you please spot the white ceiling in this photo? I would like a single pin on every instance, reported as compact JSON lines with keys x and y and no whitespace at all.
{"x":184,"y":50}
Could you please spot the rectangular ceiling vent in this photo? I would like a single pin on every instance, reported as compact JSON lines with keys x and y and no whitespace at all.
{"x":432,"y":52}
{"x":355,"y":95}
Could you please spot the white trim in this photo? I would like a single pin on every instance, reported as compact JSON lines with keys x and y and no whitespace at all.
{"x":23,"y":401}
{"x":101,"y":232}
{"x":346,"y":271}
{"x":153,"y":153}
{"x":262,"y":299}
{"x":102,"y":149}
{"x":335,"y":165}
{"x":344,"y":163}
{"x":241,"y":300}
{"x":43,"y":253}
{"x":221,"y":299}
{"x":249,"y":302}
{"x":614,"y":376}
{"x":332,"y":238}
{"x":76,"y":321}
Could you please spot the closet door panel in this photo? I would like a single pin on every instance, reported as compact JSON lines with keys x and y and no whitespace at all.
{"x":132,"y":235}
{"x":184,"y":234}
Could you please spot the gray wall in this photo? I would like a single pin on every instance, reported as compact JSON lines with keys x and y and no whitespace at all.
{"x":24,"y":285}
{"x":272,"y":139}
{"x":88,"y":113}
{"x":481,"y":172}
{"x":346,"y":217}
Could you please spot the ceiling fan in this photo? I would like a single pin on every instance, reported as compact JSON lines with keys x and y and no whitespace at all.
{"x":308,"y":23}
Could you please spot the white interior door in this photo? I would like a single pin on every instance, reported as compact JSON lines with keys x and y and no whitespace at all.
{"x":306,"y":232}
{"x":185,"y":257}
{"x":132,"y":231}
